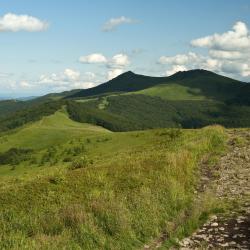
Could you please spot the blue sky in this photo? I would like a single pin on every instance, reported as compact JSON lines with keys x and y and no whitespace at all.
{"x":42,"y":41}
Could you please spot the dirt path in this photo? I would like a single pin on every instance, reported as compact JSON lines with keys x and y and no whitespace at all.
{"x":230,"y":230}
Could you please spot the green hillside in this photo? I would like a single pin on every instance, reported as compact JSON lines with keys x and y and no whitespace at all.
{"x":173,"y":91}
{"x":136,"y":112}
{"x":82,"y":187}
{"x":49,"y":131}
{"x":8,"y":107}
{"x":191,"y":99}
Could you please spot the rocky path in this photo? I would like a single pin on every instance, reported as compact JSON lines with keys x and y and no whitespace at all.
{"x":230,"y":230}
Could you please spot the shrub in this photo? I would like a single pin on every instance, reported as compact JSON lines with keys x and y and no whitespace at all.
{"x":15,"y":156}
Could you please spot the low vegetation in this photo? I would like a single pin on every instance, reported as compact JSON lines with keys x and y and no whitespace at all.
{"x":115,"y":191}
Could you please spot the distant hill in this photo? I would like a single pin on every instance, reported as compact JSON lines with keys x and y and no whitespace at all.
{"x":28,"y":98}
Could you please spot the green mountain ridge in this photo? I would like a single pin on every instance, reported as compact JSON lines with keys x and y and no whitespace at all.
{"x":209,"y":84}
{"x":190,"y":99}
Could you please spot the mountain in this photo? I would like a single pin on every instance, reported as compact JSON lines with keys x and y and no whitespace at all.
{"x":190,"y":99}
{"x":126,"y":82}
{"x":194,"y":82}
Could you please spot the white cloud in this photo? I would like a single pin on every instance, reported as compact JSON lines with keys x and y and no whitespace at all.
{"x":175,"y":69}
{"x":113,"y":23}
{"x":181,"y":59}
{"x":93,"y":58}
{"x":227,"y":53}
{"x":25,"y":84}
{"x":65,"y":80}
{"x":114,"y":73}
{"x":236,"y":39}
{"x":14,"y":23}
{"x":72,"y":75}
{"x":119,"y":61}
{"x":115,"y":64}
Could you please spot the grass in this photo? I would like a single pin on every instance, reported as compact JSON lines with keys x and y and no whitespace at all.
{"x":50,"y":131}
{"x":132,"y":186}
{"x":173,"y":92}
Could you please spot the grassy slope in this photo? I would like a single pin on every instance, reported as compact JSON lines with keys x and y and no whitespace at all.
{"x":173,"y":91}
{"x":51,"y":130}
{"x":139,"y":184}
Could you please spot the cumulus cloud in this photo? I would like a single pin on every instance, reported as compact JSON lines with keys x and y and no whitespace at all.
{"x":93,"y":58}
{"x":72,"y":75}
{"x":237,"y":39}
{"x":175,"y":69}
{"x":61,"y":81}
{"x":13,"y":23}
{"x":114,"y":73}
{"x":180,"y":59}
{"x":119,"y":61}
{"x":113,"y":23}
{"x":227,"y":53}
{"x":69,"y":78}
{"x":115,"y":64}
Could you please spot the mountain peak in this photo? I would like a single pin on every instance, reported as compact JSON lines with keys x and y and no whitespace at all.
{"x":192,"y":73}
{"x":126,"y":74}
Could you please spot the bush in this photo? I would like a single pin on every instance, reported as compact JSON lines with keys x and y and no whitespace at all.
{"x":15,"y":156}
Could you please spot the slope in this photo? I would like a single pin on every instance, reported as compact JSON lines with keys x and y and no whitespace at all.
{"x":49,"y":131}
{"x":135,"y":185}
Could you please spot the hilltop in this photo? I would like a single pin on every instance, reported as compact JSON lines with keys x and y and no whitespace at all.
{"x":208,"y":84}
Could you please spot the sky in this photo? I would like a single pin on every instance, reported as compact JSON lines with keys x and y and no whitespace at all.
{"x":52,"y":46}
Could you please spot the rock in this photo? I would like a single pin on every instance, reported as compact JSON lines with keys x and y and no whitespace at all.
{"x":215,"y":224}
{"x":224,"y":244}
{"x":185,"y":242}
{"x":213,"y":217}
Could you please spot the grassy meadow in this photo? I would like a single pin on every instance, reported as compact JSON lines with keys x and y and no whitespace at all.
{"x":78,"y":186}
